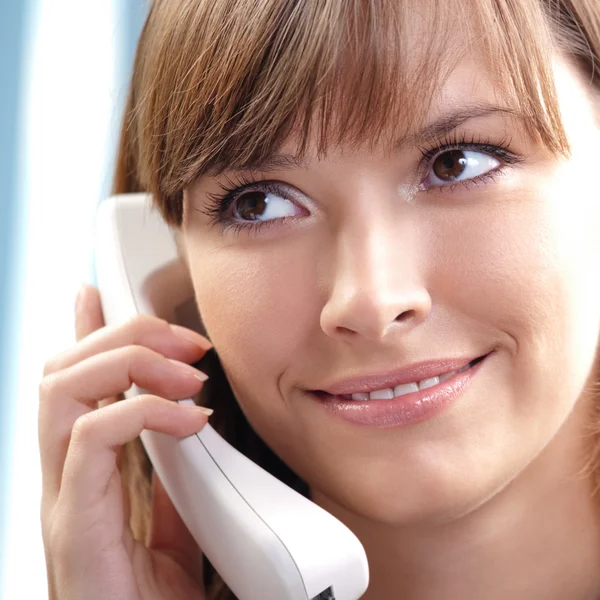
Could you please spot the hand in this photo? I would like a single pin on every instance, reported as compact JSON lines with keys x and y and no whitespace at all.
{"x":83,"y":424}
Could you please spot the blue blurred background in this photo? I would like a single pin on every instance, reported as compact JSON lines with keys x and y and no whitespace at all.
{"x":64,"y":71}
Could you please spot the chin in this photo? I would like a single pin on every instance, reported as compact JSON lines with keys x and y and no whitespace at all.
{"x":427,"y":502}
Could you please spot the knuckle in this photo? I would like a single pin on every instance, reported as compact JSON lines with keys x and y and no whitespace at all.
{"x":84,"y":427}
{"x":48,"y":387}
{"x":140,"y":354}
{"x":136,"y":401}
{"x":142,"y":403}
{"x":145,"y":400}
{"x":49,"y":367}
{"x":143,"y":323}
{"x":53,"y":364}
{"x":140,"y":400}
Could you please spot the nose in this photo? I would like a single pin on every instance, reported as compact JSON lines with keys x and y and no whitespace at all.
{"x":377,"y":289}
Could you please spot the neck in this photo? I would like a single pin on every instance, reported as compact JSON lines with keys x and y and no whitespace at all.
{"x":536,"y":539}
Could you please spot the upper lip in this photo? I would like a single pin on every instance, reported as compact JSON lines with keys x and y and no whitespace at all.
{"x":409,"y":374}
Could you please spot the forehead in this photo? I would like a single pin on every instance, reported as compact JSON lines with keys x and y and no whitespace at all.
{"x":578,"y":101}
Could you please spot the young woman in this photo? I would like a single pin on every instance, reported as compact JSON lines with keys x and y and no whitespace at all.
{"x":390,"y":216}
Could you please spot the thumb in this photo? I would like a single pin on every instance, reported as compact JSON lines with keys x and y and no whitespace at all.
{"x":169,"y":534}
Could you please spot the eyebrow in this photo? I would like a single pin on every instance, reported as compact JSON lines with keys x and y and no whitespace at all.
{"x":449,"y":122}
{"x":439,"y":128}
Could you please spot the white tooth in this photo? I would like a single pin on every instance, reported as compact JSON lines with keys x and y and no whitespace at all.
{"x":405,"y":388}
{"x":427,"y":383}
{"x":360,"y":396}
{"x":382,"y":394}
{"x":447,"y":376}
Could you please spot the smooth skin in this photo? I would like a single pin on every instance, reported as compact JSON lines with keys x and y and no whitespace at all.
{"x":89,"y":546}
{"x":484,"y":501}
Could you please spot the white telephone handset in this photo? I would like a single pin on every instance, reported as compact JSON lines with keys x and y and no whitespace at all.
{"x":267,"y":541}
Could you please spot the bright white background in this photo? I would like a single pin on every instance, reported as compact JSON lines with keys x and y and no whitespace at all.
{"x":76,"y":61}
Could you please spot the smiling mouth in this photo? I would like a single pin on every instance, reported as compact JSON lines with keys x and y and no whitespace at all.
{"x":402,"y":389}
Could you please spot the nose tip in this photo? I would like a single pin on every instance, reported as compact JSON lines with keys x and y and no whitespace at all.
{"x":377,"y":275}
{"x":373,"y":315}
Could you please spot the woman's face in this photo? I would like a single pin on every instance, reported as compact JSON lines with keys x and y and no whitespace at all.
{"x":377,"y":269}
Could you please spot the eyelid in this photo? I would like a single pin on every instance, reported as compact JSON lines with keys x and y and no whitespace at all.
{"x":499,"y":150}
{"x":243,"y":181}
{"x":221,"y":203}
{"x":220,"y":206}
{"x":462,"y":141}
{"x":281,"y":188}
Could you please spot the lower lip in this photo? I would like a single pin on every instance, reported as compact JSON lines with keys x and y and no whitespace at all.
{"x":404,"y":410}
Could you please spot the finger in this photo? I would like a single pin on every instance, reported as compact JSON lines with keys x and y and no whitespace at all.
{"x":71,"y":393}
{"x":88,"y":312}
{"x":89,"y":318}
{"x":145,"y":330}
{"x":169,"y":534}
{"x":97,"y":435}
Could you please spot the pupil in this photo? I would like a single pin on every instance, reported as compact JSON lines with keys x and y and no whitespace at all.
{"x":450,"y":165}
{"x":251,"y":205}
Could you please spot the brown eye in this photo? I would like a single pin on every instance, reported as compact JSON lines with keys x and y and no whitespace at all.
{"x":459,"y":166}
{"x":450,"y":165}
{"x":251,"y":205}
{"x":262,"y":205}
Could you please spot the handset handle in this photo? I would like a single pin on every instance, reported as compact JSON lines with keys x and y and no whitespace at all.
{"x":266,"y":540}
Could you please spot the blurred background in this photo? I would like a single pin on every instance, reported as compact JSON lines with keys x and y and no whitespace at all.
{"x":64,"y":70}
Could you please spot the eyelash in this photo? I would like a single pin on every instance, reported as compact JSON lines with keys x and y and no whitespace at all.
{"x":221,"y":202}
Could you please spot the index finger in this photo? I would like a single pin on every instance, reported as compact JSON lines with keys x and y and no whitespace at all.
{"x":171,"y":340}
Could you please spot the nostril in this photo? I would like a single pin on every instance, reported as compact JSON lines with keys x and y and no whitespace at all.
{"x":407,"y":315}
{"x":345,"y":331}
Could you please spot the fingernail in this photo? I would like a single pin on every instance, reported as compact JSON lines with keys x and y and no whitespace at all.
{"x":191,"y":336}
{"x":201,"y":409}
{"x":189,"y":370}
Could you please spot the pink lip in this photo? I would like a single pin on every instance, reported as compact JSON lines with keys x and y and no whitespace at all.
{"x":404,"y":410}
{"x":413,"y":373}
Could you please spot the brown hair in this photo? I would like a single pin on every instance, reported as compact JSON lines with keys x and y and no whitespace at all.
{"x":221,"y":85}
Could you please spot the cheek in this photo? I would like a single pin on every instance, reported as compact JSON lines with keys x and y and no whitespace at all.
{"x":259,"y":307}
{"x":525,"y":261}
